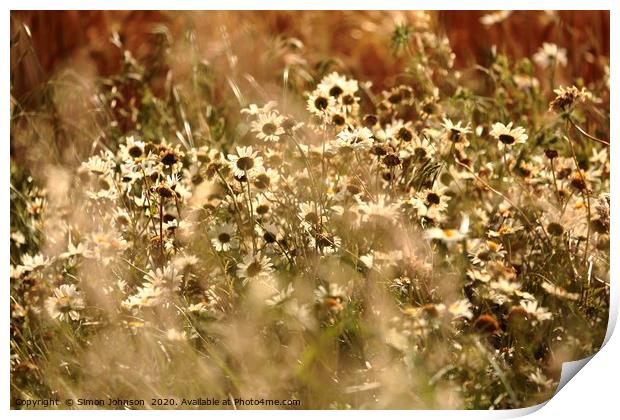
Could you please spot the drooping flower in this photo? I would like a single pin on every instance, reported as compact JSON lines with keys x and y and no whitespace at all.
{"x":566,"y":97}
{"x":456,"y":133}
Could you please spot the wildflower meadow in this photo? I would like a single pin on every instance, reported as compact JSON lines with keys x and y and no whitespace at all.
{"x":261,"y":211}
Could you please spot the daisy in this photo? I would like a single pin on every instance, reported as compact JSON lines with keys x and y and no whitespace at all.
{"x":380,"y":210}
{"x":198,"y":308}
{"x":149,"y":295}
{"x":246,"y":161}
{"x":167,"y":276}
{"x":391,"y":160}
{"x":555,"y":228}
{"x":566,"y":97}
{"x":37,"y":206}
{"x":268,"y":126}
{"x":266,"y":179}
{"x":399,"y":95}
{"x":182,"y":261}
{"x":506,"y":135}
{"x":495,"y":17}
{"x":170,"y":156}
{"x":461,"y":309}
{"x":549,"y":55}
{"x":508,"y":227}
{"x":419,"y":148}
{"x":430,"y":106}
{"x":532,"y":308}
{"x":455,"y":132}
{"x":223,"y":238}
{"x":131,"y":149}
{"x":558,"y":292}
{"x":105,"y":245}
{"x":337,"y":86}
{"x":254,"y":267}
{"x":505,"y":286}
{"x":98,"y":166}
{"x":405,"y":133}
{"x":254,"y":109}
{"x":319,"y":103}
{"x":262,"y":206}
{"x":73,"y":251}
{"x":483,"y":251}
{"x":328,"y":243}
{"x":308,"y":215}
{"x":65,"y":304}
{"x":164,"y":189}
{"x":432,"y":198}
{"x":389,"y":132}
{"x":525,"y":81}
{"x":269,"y":232}
{"x":338,"y":118}
{"x":342,"y":91}
{"x":354,"y":140}
{"x":479,"y":275}
{"x":33,"y":263}
{"x":18,"y":238}
{"x":330,"y":297}
{"x":281,"y":296}
{"x":445,"y":235}
{"x":173,"y":334}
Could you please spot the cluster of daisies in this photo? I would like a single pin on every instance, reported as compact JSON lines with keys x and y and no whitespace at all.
{"x":469,"y":244}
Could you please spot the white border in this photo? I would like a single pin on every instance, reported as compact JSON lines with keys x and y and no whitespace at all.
{"x":595,"y":390}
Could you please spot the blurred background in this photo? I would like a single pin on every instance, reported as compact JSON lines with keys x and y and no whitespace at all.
{"x":81,"y":39}
{"x":83,"y":75}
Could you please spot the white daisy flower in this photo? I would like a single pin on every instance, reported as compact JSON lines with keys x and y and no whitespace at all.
{"x":337,"y":86}
{"x":532,"y":308}
{"x":98,"y":166}
{"x":73,"y":251}
{"x":254,"y":267}
{"x":508,"y":136}
{"x":149,"y":295}
{"x":224,"y":238}
{"x":254,"y":109}
{"x":309,"y":215}
{"x":268,"y":126}
{"x":65,"y":304}
{"x":550,"y":55}
{"x":245,"y":162}
{"x":461,"y":309}
{"x":33,"y":263}
{"x":558,"y":291}
{"x":319,"y":103}
{"x":455,"y":132}
{"x":445,"y":235}
{"x":353,"y":140}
